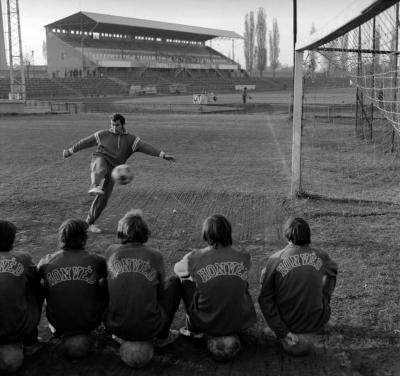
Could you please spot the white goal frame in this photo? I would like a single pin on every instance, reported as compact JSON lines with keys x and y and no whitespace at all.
{"x":366,"y":15}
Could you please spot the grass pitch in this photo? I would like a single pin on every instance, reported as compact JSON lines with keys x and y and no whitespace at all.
{"x":236,"y":165}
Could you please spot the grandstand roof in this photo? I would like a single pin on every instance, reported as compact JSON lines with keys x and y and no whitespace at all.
{"x":96,"y":22}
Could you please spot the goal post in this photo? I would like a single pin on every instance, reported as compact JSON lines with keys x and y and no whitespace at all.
{"x":363,"y":54}
{"x":297,"y":123}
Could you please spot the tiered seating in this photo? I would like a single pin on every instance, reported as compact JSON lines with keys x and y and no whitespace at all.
{"x":84,"y":87}
{"x":119,"y":83}
{"x":4,"y":88}
{"x":128,"y":49}
{"x":47,"y":88}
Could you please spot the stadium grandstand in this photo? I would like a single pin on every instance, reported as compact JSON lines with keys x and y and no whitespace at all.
{"x":135,"y":55}
{"x":91,"y":55}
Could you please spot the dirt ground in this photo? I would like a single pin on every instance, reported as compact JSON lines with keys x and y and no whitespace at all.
{"x":237,"y":165}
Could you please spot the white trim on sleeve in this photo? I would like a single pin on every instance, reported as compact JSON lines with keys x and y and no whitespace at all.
{"x":135,"y":144}
{"x":96,"y":135}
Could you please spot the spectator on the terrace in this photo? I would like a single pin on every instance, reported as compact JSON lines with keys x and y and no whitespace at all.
{"x":297,"y":285}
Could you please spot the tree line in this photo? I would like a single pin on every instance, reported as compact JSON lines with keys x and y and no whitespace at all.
{"x":255,"y":43}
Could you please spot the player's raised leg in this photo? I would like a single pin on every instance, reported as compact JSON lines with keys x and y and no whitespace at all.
{"x":99,"y":169}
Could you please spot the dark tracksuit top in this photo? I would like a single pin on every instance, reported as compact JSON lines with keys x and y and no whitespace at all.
{"x":222,"y":304}
{"x":75,"y":300}
{"x":21,"y":296}
{"x":115,"y":148}
{"x":135,"y":280}
{"x":292,"y":296}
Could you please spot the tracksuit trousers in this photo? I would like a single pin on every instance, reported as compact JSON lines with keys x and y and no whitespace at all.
{"x":100,"y":175}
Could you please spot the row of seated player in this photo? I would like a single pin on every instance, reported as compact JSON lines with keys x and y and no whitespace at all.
{"x":126,"y":290}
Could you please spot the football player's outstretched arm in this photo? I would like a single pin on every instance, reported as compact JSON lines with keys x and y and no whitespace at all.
{"x":148,"y":149}
{"x":86,"y":142}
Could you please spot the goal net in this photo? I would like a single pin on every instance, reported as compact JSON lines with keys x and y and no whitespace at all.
{"x":346,"y":123}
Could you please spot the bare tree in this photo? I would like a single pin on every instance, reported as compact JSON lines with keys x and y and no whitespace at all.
{"x":249,"y":41}
{"x":44,"y":50}
{"x":312,"y":58}
{"x":261,"y":34}
{"x":274,"y":50}
{"x":344,"y":45}
{"x":328,"y":60}
{"x":376,"y":47}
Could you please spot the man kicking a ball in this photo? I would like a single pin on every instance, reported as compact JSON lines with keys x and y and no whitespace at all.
{"x":114,"y":147}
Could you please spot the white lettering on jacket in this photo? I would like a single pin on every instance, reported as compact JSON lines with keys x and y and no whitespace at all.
{"x":11,"y":265}
{"x":217,"y":269}
{"x":296,"y":261}
{"x":71,"y":273}
{"x":131,"y":265}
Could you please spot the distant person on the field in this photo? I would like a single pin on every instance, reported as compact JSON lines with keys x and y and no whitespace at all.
{"x":75,"y":283}
{"x":215,"y":284}
{"x":114,"y":146}
{"x":142,"y":302}
{"x":21,"y":294}
{"x":297,"y":285}
{"x":244,"y":95}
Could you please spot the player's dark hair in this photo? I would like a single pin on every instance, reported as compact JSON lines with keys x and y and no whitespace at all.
{"x":72,"y":234}
{"x":297,"y":231}
{"x":119,"y":117}
{"x":217,"y":230}
{"x":7,"y":235}
{"x":132,"y":228}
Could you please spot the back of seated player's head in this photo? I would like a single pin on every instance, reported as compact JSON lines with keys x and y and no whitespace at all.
{"x":72,"y":234}
{"x":217,"y":231}
{"x":297,"y":231}
{"x":132,"y":228}
{"x":118,"y":117}
{"x":7,"y":235}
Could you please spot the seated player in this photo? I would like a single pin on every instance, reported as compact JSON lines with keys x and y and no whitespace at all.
{"x":114,"y":147}
{"x":75,"y":283}
{"x":297,"y":285}
{"x":215,"y":284}
{"x":21,"y":295}
{"x":142,"y":303}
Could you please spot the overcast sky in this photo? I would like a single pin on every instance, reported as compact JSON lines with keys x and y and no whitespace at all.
{"x":218,"y":14}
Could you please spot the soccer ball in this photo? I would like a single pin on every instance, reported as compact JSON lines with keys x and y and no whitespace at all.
{"x":302,"y":348}
{"x":122,"y":174}
{"x":77,"y":346}
{"x":224,"y":348}
{"x":136,"y":354}
{"x":11,"y":357}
